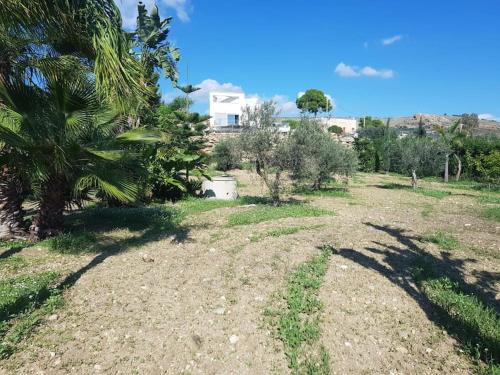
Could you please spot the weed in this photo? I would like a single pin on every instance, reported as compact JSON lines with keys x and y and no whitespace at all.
{"x":13,"y":262}
{"x":470,"y":320}
{"x":296,"y":323}
{"x":266,"y":213}
{"x":26,"y":322}
{"x":445,"y":241}
{"x":19,"y":293}
{"x":72,"y":243}
{"x":6,"y":244}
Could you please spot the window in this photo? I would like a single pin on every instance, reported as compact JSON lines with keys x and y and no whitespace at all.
{"x":233,"y":119}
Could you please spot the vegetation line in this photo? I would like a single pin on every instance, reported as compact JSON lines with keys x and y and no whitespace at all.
{"x":465,"y":316}
{"x":295,"y":318}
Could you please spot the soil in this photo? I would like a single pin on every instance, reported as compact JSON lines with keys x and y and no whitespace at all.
{"x":194,"y":304}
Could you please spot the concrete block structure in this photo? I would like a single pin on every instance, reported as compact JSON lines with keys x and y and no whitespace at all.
{"x":226,"y":108}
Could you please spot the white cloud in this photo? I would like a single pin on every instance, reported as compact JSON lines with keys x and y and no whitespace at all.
{"x":371,"y":72}
{"x":344,"y":70}
{"x":365,"y":44}
{"x":128,"y":10}
{"x":285,"y":106}
{"x":391,"y":40}
{"x":489,"y":116}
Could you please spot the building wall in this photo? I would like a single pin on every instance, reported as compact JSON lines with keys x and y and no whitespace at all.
{"x":224,"y":104}
{"x":349,"y":125}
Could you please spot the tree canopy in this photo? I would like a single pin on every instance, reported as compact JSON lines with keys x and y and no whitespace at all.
{"x":314,"y":101}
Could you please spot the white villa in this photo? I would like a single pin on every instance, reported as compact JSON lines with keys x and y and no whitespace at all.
{"x":226,"y":108}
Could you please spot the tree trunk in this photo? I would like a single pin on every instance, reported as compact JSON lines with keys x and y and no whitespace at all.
{"x":459,"y":167}
{"x":414,"y":178}
{"x":446,"y":166}
{"x":50,"y":219}
{"x":11,"y":200}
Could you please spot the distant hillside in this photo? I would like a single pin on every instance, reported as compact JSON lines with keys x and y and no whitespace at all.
{"x":430,"y":120}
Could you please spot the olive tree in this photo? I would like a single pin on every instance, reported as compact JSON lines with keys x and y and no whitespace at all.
{"x":316,"y":157}
{"x":265,"y":147}
{"x":422,"y":156}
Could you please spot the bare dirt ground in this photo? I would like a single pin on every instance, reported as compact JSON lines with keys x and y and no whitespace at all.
{"x":197,"y":308}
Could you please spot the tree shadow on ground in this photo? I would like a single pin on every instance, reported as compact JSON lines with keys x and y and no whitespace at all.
{"x":398,"y":265}
{"x":148,"y":224}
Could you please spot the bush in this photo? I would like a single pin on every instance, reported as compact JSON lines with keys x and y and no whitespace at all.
{"x":315,"y":156}
{"x":227,"y":154}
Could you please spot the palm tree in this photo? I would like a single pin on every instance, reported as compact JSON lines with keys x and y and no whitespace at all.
{"x":453,"y":137}
{"x":39,"y":30}
{"x":72,"y":141}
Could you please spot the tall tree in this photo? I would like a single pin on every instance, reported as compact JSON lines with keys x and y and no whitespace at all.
{"x":70,"y":140}
{"x":84,"y":34}
{"x":453,"y":138}
{"x":156,"y":54}
{"x":314,"y":101}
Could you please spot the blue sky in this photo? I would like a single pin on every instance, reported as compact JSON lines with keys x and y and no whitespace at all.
{"x":374,"y":57}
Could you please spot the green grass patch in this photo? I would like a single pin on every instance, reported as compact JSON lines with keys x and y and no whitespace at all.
{"x":445,"y":241}
{"x":491,"y":213}
{"x":13,"y":334}
{"x":489,"y":199}
{"x":296,"y":320}
{"x":284,"y":231}
{"x":19,"y":293}
{"x":192,"y":206}
{"x":13,"y":263}
{"x":266,"y":213}
{"x":7,"y":244}
{"x":73,"y":243}
{"x":439,"y":194}
{"x":427,"y":210}
{"x":465,"y":316}
{"x":325,"y":193}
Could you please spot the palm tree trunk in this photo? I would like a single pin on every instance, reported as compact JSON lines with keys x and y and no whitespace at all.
{"x":50,"y":219}
{"x":459,"y":167}
{"x":446,"y":167}
{"x":11,"y":200}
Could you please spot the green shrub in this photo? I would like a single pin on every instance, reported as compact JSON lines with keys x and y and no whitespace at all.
{"x":227,"y":154}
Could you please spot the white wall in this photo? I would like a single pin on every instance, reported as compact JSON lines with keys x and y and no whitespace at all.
{"x":349,"y":125}
{"x":223,"y":104}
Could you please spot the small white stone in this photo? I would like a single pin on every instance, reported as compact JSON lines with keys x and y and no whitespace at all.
{"x":348,"y":344}
{"x":428,"y":350}
{"x":233,"y":339}
{"x":53,"y":317}
{"x":402,"y":349}
{"x":97,"y":367}
{"x":220,"y":311}
{"x":52,"y":354}
{"x":212,"y":250}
